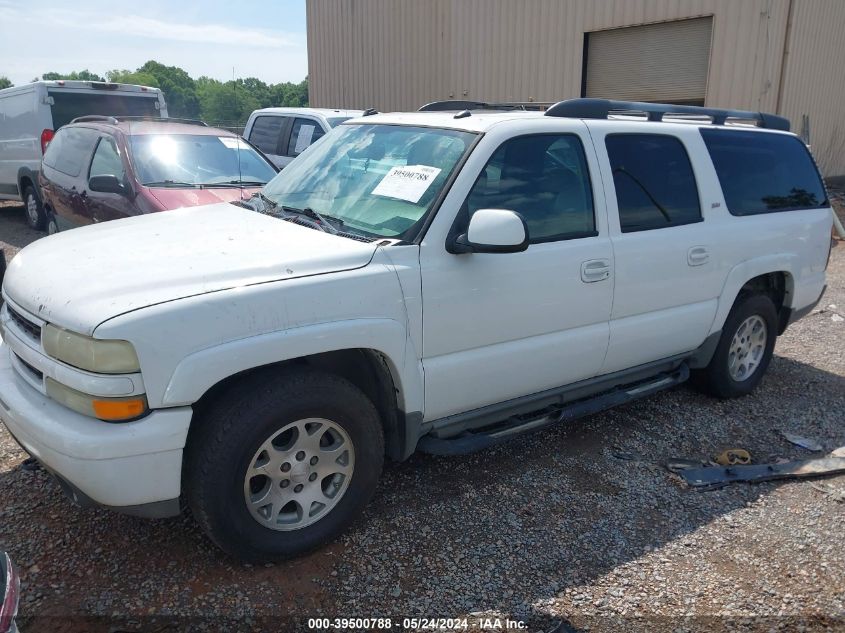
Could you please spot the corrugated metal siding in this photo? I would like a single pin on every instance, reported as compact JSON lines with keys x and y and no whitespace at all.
{"x":665,"y":62}
{"x":814,"y":79}
{"x":399,"y":54}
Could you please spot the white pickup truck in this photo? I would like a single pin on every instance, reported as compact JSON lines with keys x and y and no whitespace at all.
{"x":440,"y":280}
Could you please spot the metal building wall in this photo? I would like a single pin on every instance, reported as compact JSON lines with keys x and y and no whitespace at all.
{"x":814,"y":79}
{"x":399,"y":54}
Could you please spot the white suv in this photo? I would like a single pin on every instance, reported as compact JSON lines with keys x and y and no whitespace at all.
{"x":436,"y":280}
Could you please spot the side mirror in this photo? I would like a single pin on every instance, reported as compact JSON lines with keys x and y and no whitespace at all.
{"x":493,"y":231}
{"x":107,"y":184}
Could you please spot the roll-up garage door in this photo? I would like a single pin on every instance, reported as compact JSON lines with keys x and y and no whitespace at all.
{"x":664,"y":62}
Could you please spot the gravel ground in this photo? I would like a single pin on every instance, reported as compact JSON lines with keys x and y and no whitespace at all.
{"x":555,"y":527}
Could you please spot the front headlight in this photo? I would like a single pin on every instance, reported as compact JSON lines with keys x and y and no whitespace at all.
{"x":84,"y":352}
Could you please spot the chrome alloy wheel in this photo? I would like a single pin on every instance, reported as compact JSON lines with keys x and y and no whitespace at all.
{"x":747,"y":348}
{"x":299,"y":474}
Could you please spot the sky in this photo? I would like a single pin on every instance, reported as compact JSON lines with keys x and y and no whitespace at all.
{"x":259,"y":39}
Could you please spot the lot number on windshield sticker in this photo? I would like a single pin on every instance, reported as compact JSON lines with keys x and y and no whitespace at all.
{"x":407,"y":183}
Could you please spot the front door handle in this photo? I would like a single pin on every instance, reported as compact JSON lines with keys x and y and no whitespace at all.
{"x":698,"y":255}
{"x":594,"y":270}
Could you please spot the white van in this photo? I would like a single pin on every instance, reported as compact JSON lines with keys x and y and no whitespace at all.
{"x":30,"y":115}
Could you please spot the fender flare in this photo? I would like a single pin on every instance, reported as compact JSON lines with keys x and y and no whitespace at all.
{"x":743,"y":272}
{"x":200,"y":371}
{"x":32,"y":175}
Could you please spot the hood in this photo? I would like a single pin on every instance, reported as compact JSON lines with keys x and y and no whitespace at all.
{"x":80,"y":278}
{"x":172,"y":198}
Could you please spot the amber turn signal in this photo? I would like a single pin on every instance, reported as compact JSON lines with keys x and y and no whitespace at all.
{"x":117,"y":410}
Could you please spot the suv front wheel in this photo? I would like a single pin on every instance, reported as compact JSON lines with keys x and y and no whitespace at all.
{"x":283,"y":463}
{"x":744,"y":350}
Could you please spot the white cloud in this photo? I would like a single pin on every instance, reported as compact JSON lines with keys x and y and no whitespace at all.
{"x":134,"y":25}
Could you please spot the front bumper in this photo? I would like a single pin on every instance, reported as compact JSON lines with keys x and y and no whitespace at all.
{"x":133,"y":467}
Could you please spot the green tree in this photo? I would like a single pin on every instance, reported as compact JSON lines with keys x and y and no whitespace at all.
{"x":230,"y":102}
{"x":5,"y":83}
{"x":82,"y":75}
{"x":260,"y":91}
{"x":290,"y":94}
{"x":208,"y":98}
{"x":129,"y":77}
{"x":180,"y":90}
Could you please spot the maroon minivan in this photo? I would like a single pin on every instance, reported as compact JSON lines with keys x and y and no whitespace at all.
{"x":100,"y":168}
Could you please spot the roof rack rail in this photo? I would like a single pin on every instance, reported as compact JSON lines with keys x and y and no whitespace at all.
{"x":603,"y":108}
{"x":159,"y":119}
{"x":114,"y":120}
{"x":461,"y":105}
{"x":95,"y":117}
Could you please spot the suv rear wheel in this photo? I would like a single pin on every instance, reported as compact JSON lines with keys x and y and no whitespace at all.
{"x":283,"y":463}
{"x":744,"y":350}
{"x":35,"y":218}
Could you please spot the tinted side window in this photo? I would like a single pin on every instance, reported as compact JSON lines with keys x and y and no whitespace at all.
{"x":654,"y":181}
{"x":72,"y":151}
{"x":763,"y":173}
{"x":265,"y":133}
{"x":106,"y":160}
{"x":303,"y":133}
{"x":545,"y":178}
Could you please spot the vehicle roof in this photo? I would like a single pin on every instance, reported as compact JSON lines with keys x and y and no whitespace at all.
{"x":138,"y":128}
{"x":479,"y":121}
{"x":483,"y":120}
{"x":326,"y":112}
{"x":77,"y":84}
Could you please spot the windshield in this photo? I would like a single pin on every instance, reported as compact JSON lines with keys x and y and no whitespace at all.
{"x":379,"y":180}
{"x":197,"y":159}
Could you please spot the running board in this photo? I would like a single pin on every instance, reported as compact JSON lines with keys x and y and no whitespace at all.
{"x":472,"y":441}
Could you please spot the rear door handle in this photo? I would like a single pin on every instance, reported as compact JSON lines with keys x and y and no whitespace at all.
{"x":698,"y":255}
{"x":594,"y":270}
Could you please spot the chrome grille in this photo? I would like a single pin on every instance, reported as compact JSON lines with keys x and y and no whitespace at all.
{"x":32,"y":329}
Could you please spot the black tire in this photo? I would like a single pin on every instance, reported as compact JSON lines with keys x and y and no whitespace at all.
{"x":230,"y":431}
{"x":33,"y":209}
{"x":716,"y":378}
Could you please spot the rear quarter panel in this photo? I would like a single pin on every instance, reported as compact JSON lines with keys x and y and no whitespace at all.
{"x":793,"y":242}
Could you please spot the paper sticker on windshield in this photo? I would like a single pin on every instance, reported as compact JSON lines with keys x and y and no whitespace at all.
{"x":407,"y":183}
{"x":306,"y":133}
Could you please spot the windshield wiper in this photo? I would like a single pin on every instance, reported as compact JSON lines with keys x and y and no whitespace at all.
{"x":318,"y":220}
{"x":235,"y":183}
{"x":172,"y":183}
{"x":323,"y":222}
